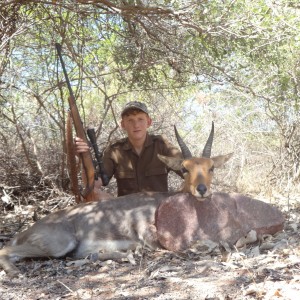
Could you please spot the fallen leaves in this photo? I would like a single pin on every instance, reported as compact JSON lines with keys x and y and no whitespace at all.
{"x":267,"y":267}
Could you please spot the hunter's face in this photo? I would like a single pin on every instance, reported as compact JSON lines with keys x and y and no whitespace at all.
{"x":136,"y":125}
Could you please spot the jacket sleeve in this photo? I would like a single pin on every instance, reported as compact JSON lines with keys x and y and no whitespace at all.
{"x":170,"y":150}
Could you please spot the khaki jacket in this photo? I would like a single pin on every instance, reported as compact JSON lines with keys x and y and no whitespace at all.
{"x":136,"y":173}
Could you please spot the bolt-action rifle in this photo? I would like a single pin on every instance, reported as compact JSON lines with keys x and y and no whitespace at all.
{"x":98,"y":155}
{"x":86,"y":157}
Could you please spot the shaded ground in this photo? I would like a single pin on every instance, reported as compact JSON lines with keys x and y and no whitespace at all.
{"x":269,"y":269}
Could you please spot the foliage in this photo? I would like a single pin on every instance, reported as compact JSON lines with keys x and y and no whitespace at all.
{"x":235,"y":62}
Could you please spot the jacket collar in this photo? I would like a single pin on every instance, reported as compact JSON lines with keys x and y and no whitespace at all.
{"x":148,"y":142}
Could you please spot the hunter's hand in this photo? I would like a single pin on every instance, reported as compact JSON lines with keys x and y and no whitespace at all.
{"x":81,"y":146}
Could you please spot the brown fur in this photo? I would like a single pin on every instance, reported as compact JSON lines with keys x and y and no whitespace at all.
{"x":111,"y":225}
{"x":199,"y":170}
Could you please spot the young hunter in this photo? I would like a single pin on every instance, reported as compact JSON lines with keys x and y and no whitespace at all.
{"x":133,"y":160}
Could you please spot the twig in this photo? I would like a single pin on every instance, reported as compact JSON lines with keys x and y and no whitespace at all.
{"x":66,"y":286}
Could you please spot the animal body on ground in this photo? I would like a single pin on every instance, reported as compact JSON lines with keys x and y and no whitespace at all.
{"x":112,"y":225}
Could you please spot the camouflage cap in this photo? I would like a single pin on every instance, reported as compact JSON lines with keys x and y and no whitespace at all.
{"x":135,"y":105}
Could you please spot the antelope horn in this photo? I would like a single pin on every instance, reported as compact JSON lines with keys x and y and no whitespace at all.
{"x":184,"y":149}
{"x":207,"y":148}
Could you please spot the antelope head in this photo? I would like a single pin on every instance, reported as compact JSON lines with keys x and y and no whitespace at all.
{"x":197,"y":171}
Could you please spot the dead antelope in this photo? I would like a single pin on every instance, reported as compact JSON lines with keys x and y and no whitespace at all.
{"x":110,"y":225}
{"x":197,"y":171}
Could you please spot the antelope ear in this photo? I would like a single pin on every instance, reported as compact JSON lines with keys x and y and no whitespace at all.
{"x":220,"y":160}
{"x":171,"y":162}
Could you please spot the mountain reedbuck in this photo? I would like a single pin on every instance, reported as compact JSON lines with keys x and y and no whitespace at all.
{"x":112,"y":225}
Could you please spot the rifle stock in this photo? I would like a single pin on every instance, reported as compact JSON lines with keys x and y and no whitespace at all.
{"x":86,"y":157}
{"x":71,"y":159}
{"x":87,"y":160}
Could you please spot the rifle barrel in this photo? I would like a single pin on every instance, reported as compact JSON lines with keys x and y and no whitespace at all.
{"x":58,"y":48}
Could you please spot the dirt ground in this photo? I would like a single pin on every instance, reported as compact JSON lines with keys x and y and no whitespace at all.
{"x":268,"y":269}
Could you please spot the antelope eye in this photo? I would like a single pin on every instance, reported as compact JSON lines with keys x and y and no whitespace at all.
{"x":184,"y":170}
{"x":211,"y":169}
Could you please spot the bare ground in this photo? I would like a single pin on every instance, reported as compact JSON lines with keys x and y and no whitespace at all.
{"x":269,"y":269}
